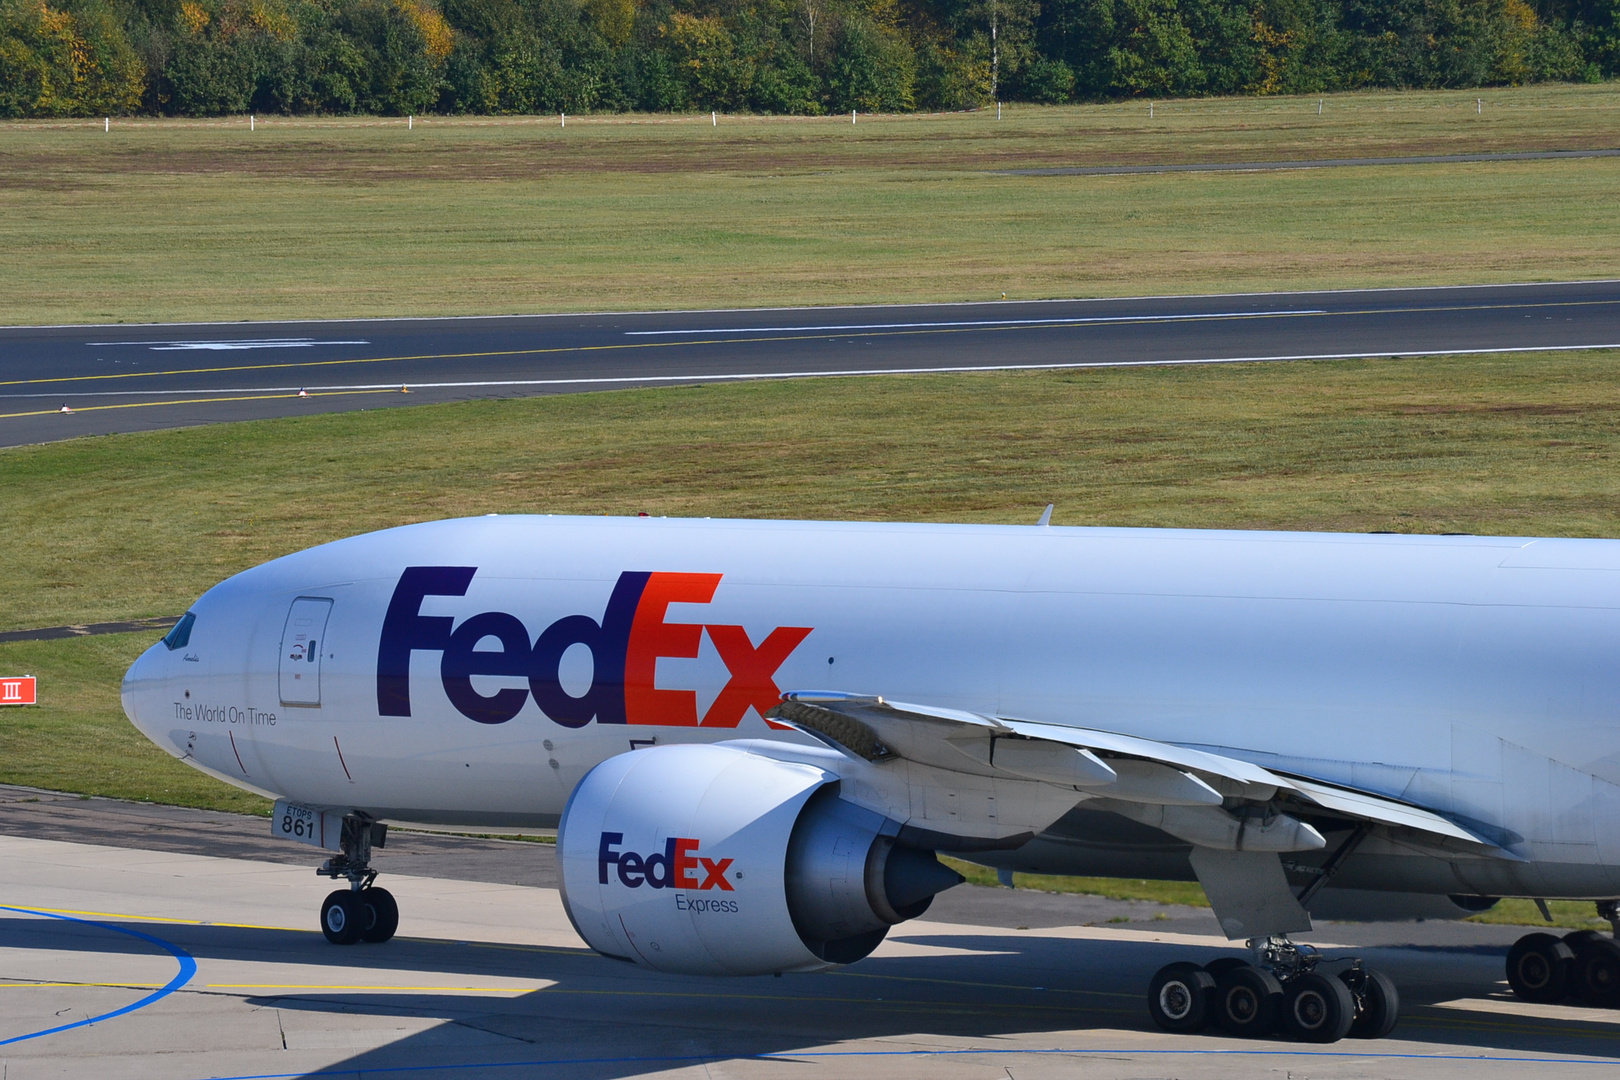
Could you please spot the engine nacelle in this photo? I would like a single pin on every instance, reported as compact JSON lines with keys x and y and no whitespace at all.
{"x":718,"y":860}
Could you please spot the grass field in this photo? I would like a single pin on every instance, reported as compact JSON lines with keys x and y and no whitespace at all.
{"x":175,"y":220}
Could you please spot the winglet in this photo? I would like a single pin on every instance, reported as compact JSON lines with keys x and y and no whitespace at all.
{"x":1046,"y":515}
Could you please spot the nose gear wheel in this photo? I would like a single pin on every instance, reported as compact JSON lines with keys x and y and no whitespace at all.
{"x":362,"y":912}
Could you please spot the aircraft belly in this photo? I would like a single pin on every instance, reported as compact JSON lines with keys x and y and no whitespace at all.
{"x":1401,"y":873}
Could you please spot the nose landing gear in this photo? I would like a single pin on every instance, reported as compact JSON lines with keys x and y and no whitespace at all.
{"x":362,"y":912}
{"x":1285,"y":989}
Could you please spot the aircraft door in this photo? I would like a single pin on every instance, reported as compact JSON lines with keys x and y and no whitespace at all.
{"x":302,"y":643}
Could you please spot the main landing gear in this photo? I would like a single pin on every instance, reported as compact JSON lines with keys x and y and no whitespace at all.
{"x":1583,"y":965}
{"x":362,"y":912}
{"x":1289,"y":989}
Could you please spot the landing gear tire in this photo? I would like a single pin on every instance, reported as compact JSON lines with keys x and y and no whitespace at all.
{"x":343,"y":917}
{"x":361,"y":912}
{"x":1318,"y":1009}
{"x":1223,"y":963}
{"x":381,"y":915}
{"x":1248,"y":1001}
{"x":1540,"y":968}
{"x":1596,"y":974}
{"x":1378,"y":1005}
{"x":1179,"y":997}
{"x":1574,"y":938}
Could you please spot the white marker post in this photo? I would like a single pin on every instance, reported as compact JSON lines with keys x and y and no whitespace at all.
{"x":410,"y":123}
{"x":1318,"y":106}
{"x":106,"y":123}
{"x":252,"y":126}
{"x":714,"y":120}
{"x":1479,"y":106}
{"x":1150,"y":110}
{"x":998,"y":110}
{"x":852,"y":116}
{"x":564,"y":118}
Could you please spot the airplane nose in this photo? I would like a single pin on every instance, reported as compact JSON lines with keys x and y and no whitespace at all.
{"x":144,"y":695}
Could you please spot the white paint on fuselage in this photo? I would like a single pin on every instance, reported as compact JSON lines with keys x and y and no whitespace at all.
{"x":1474,"y":676}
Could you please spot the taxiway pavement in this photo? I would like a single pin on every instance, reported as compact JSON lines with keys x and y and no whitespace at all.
{"x":142,"y":377}
{"x":174,"y":948}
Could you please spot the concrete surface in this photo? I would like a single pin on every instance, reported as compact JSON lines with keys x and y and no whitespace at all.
{"x":488,"y":979}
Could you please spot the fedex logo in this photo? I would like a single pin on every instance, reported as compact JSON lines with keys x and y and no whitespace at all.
{"x":673,"y":868}
{"x":625,"y":645}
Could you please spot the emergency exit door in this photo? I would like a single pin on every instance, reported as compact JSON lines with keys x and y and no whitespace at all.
{"x":302,"y":645}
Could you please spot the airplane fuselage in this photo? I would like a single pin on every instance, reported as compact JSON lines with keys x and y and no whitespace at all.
{"x":473,"y":671}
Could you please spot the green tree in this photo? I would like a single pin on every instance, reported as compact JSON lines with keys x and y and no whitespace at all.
{"x":69,"y":61}
{"x":872,"y":69}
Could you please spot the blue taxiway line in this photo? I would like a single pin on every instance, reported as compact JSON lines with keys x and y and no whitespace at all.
{"x":188,"y":969}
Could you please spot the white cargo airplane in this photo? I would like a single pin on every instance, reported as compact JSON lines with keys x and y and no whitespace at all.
{"x":755,"y":735}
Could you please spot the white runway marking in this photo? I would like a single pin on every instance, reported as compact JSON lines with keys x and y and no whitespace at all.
{"x":227,"y":346}
{"x":839,"y":373}
{"x":1078,"y":321}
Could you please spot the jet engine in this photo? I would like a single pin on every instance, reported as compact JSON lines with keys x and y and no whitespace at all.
{"x":722,"y":860}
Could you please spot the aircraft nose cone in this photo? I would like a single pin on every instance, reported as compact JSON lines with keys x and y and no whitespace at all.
{"x":144,"y":694}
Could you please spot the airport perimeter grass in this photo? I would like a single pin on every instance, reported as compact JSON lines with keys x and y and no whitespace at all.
{"x":137,"y":525}
{"x":302,"y":218}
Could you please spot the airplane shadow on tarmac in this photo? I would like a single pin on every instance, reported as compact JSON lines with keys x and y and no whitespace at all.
{"x":607,"y":1019}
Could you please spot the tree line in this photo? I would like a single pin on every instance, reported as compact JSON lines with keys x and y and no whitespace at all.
{"x":393,"y":57}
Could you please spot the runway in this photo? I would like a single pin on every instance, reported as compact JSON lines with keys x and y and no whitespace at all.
{"x":61,"y":382}
{"x":140,"y":941}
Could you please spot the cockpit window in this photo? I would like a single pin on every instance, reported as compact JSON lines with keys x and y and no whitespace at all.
{"x":180,"y":636}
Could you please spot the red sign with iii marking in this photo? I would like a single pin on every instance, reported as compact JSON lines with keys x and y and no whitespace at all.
{"x":17,"y":691}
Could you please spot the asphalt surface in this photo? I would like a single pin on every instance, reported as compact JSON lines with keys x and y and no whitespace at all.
{"x":57,"y":633}
{"x":146,"y":941}
{"x":136,"y":378}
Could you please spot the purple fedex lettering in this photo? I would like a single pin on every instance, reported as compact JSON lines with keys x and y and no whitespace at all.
{"x":608,"y":641}
{"x":462,"y":660}
{"x":405,"y":629}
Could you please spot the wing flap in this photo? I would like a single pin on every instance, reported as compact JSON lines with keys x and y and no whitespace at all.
{"x":1150,"y":750}
{"x":1375,"y":808}
{"x":1105,"y":763}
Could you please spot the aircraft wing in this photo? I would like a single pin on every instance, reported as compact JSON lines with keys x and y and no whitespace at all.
{"x":1175,"y":788}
